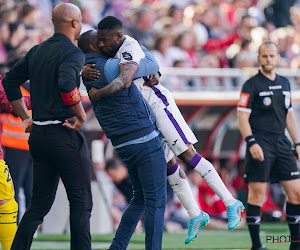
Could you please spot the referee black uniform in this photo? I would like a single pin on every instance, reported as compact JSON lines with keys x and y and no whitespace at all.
{"x":265,"y":106}
{"x":268,"y":102}
{"x":53,"y":69}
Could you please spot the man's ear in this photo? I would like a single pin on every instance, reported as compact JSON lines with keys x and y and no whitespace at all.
{"x":74,"y":23}
{"x":120,"y":35}
{"x":93,"y":48}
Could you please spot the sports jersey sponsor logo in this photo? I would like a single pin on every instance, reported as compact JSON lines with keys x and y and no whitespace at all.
{"x":267,"y":101}
{"x":244,"y":98}
{"x":127,"y":56}
{"x":266,"y":93}
{"x":275,"y":87}
{"x":295,"y":173}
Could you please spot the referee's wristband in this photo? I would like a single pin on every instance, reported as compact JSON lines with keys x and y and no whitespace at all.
{"x":250,"y":140}
{"x":296,"y":144}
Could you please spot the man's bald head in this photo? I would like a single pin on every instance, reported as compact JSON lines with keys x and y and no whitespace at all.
{"x":66,"y":15}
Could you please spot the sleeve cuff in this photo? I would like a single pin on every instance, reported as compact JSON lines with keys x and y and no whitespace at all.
{"x":71,"y":98}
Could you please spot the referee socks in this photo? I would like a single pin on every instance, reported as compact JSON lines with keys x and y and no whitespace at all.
{"x":253,"y":221}
{"x":293,"y":220}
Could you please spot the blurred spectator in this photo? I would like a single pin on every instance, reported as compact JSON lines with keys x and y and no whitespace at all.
{"x":210,"y":82}
{"x":4,"y":36}
{"x":177,"y":82}
{"x":140,"y":26}
{"x":183,"y":49}
{"x":295,"y":64}
{"x":161,"y":45}
{"x":278,"y":12}
{"x":284,"y":37}
{"x":245,"y":27}
{"x":86,"y":20}
{"x":17,"y":36}
{"x":28,"y":16}
{"x":118,"y":173}
{"x":245,"y":59}
{"x":198,"y":27}
{"x":119,"y":176}
{"x":176,"y":13}
{"x":212,"y":20}
{"x":9,"y":15}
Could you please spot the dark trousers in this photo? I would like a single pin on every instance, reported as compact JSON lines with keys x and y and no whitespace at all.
{"x":20,"y":167}
{"x":147,"y":170}
{"x":58,"y":152}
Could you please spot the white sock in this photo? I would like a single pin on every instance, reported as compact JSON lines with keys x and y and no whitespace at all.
{"x":184,"y":193}
{"x":212,"y":178}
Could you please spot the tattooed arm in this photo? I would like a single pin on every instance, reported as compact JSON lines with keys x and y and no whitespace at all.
{"x":122,"y":82}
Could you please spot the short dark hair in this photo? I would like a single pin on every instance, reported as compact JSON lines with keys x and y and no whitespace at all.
{"x":85,"y":40}
{"x":26,"y":9}
{"x":110,"y":23}
{"x":268,"y":43}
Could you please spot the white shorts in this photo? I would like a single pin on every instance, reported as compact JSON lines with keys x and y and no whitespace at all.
{"x":169,"y":119}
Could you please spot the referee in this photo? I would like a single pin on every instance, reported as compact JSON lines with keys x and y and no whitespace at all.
{"x":57,"y":145}
{"x":264,"y":111}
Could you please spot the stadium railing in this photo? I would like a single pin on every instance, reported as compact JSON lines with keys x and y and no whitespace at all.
{"x":221,"y":86}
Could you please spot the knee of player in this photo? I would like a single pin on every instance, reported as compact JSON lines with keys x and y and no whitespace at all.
{"x":294,"y":197}
{"x":182,"y":174}
{"x":257,"y":196}
{"x":257,"y":200}
{"x":188,"y":155}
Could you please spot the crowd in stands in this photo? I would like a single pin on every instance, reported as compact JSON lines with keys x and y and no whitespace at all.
{"x":184,"y":34}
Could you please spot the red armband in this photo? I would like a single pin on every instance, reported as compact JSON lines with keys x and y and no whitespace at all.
{"x":244,"y":99}
{"x":71,"y":98}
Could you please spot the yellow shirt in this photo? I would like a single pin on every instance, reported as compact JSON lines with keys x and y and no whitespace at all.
{"x":6,"y":184}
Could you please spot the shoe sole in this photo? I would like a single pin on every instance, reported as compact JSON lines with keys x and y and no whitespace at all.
{"x":197,"y":233}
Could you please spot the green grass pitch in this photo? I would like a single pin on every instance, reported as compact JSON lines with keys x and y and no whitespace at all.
{"x":207,"y":239}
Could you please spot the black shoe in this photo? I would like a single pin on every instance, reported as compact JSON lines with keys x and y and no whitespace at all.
{"x":260,"y":248}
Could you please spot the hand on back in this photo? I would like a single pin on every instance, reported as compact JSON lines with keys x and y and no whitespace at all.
{"x":89,"y":73}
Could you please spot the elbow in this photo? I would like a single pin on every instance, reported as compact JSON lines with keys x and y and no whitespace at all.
{"x":156,"y":67}
{"x":153,"y":67}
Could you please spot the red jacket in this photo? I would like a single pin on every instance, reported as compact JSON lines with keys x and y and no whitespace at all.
{"x":5,"y":106}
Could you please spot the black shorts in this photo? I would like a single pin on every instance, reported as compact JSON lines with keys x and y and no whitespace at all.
{"x":279,"y":164}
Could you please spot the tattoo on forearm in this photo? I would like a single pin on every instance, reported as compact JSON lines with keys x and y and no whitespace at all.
{"x":119,"y":84}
